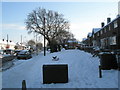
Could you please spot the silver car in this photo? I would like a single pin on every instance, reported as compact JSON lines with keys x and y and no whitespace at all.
{"x":24,"y":54}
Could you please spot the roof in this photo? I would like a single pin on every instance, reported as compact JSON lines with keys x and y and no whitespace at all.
{"x":79,"y":42}
{"x":5,"y":42}
{"x":84,"y":39}
{"x":95,"y":30}
{"x":72,"y":40}
{"x":111,"y":21}
{"x":89,"y":34}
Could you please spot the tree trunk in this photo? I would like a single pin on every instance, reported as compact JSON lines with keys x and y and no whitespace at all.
{"x":59,"y":47}
{"x":53,"y":46}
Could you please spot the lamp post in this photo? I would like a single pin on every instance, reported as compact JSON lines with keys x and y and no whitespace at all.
{"x":44,"y":38}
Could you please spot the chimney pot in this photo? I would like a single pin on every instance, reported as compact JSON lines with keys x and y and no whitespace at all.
{"x":108,"y":20}
{"x":102,"y":24}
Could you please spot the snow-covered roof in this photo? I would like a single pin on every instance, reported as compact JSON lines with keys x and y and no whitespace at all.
{"x":111,"y":21}
{"x":95,"y":30}
{"x":5,"y":42}
{"x":72,"y":40}
{"x":84,"y":39}
{"x":89,"y":34}
{"x":79,"y":42}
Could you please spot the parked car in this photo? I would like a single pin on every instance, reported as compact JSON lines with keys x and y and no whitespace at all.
{"x":16,"y":52}
{"x":1,"y":52}
{"x":24,"y":54}
{"x":6,"y":53}
{"x":9,"y":51}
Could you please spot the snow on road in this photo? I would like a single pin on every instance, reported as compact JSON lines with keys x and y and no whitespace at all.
{"x":82,"y":71}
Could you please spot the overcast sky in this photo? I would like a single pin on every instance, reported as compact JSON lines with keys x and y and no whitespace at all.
{"x":83,"y":16}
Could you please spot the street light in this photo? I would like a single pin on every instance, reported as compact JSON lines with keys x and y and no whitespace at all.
{"x":44,"y":37}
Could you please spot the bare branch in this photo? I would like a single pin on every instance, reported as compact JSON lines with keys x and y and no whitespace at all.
{"x":55,"y":25}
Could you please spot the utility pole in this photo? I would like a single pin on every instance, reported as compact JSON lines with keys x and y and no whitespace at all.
{"x":44,"y":38}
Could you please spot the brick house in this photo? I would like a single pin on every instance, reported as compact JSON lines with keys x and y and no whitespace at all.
{"x":89,"y":41}
{"x":109,"y":35}
{"x":106,"y":37}
{"x":72,"y":43}
{"x":95,"y":37}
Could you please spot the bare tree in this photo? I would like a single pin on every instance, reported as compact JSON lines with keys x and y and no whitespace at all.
{"x":48,"y":23}
{"x":31,"y":42}
{"x":63,"y":38}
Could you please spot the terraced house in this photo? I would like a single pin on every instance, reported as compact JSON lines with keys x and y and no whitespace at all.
{"x":110,"y":34}
{"x":106,"y":37}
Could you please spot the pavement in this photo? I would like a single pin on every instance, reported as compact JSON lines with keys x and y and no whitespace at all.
{"x":6,"y":65}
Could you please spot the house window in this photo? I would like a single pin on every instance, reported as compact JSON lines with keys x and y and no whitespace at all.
{"x":109,"y":28}
{"x":115,"y":24}
{"x":102,"y":42}
{"x":101,"y":32}
{"x":113,"y":40}
{"x":98,"y":34}
{"x":104,"y":30}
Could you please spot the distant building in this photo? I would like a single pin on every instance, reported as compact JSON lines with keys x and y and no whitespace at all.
{"x":95,"y":40}
{"x":89,"y":37}
{"x":72,"y":43}
{"x":4,"y":44}
{"x":19,"y":46}
{"x":84,"y":40}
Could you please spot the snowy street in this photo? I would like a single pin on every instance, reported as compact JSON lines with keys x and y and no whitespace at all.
{"x":82,"y":70}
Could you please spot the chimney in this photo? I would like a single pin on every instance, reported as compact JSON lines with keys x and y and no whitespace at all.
{"x":108,"y":20}
{"x":102,"y":24}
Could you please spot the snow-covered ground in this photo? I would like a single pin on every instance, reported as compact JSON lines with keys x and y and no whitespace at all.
{"x":82,"y":71}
